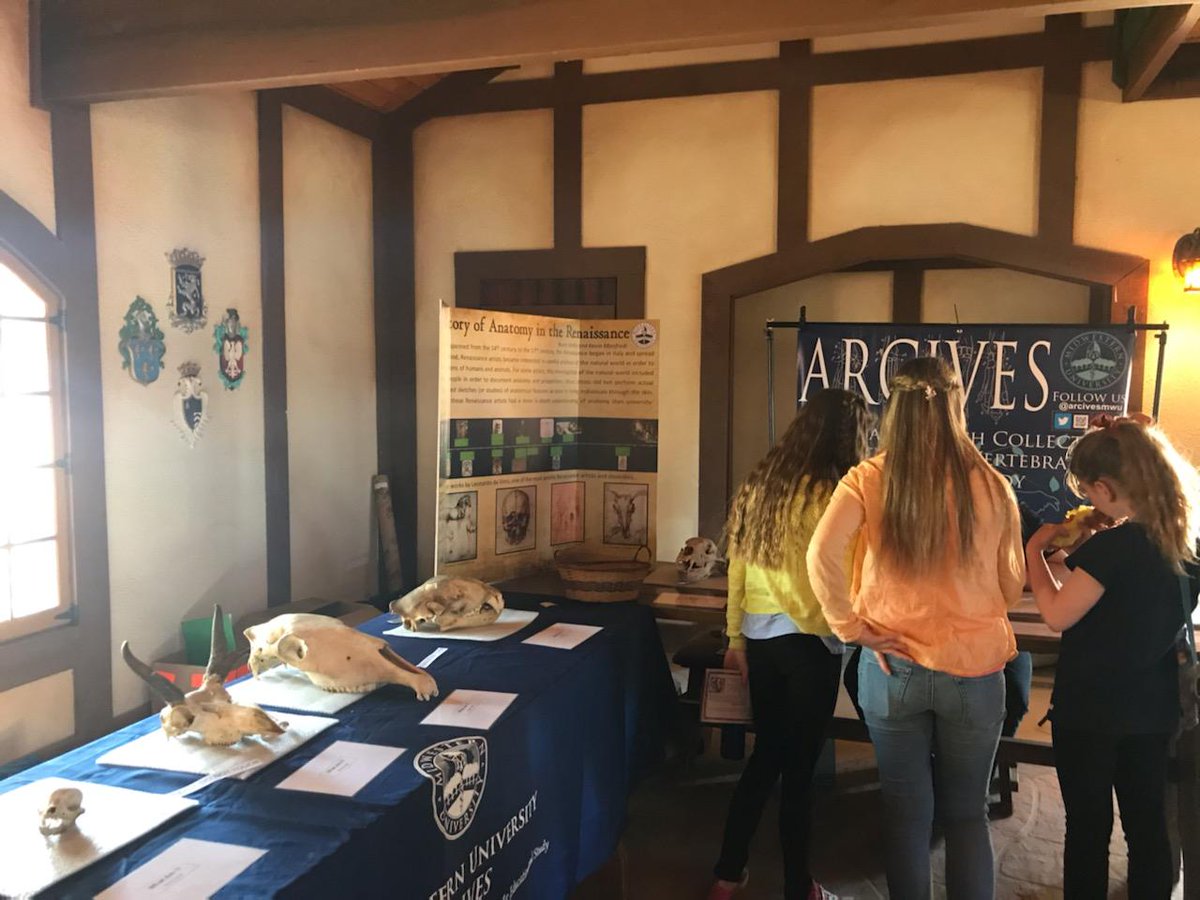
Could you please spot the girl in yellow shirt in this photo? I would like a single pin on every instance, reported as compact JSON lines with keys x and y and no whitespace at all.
{"x":778,"y":637}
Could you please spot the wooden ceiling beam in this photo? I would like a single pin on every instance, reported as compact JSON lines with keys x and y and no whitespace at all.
{"x":93,"y":50}
{"x":1165,"y":29}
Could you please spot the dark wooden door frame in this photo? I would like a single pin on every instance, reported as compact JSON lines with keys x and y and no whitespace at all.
{"x":1124,"y":277}
{"x":65,"y":262}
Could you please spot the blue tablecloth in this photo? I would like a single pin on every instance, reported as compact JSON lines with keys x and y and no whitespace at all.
{"x":560,"y":762}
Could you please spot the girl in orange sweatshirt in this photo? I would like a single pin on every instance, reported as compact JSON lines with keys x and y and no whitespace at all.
{"x":918,"y":558}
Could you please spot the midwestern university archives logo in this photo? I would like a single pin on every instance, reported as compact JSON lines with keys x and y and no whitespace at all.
{"x":458,"y":770}
{"x":1094,"y":360}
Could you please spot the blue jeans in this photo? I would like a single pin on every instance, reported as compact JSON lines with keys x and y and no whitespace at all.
{"x":935,"y":735}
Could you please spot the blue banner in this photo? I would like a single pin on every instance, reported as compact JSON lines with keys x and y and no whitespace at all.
{"x":1030,"y":389}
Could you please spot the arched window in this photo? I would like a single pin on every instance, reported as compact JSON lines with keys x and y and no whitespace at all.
{"x":35,"y":587}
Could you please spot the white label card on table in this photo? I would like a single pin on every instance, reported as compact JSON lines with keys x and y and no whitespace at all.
{"x":428,"y":661}
{"x":563,"y":635}
{"x":187,"y":870}
{"x":470,"y":709}
{"x":343,"y":768}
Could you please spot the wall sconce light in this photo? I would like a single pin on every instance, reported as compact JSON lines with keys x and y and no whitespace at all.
{"x":1187,"y":260}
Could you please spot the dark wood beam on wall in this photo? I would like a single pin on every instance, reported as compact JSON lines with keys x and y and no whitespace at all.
{"x":94,"y":50}
{"x":393,"y":217}
{"x":274,"y":349}
{"x":331,"y":106}
{"x":1062,"y":77}
{"x":795,"y":144}
{"x":568,"y":156}
{"x":908,"y":284}
{"x":1148,"y":40}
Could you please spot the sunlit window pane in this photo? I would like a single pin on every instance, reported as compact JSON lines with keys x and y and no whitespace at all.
{"x":28,"y":505}
{"x":24,"y":356}
{"x":5,"y":605}
{"x":27,"y":424}
{"x":34,"y":578}
{"x":16,"y":297}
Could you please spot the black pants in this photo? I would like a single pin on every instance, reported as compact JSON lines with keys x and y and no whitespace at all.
{"x":793,"y":688}
{"x":1090,"y":765}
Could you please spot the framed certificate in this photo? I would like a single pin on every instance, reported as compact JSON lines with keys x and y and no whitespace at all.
{"x":726,"y":698}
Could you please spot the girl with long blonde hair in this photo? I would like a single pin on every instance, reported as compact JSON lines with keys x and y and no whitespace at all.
{"x":1116,"y":700}
{"x":778,"y":638}
{"x":918,"y":558}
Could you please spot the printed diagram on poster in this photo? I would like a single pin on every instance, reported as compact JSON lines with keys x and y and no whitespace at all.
{"x":548,"y":434}
{"x":190,"y":403}
{"x":186,"y":304}
{"x":626,"y":514}
{"x":516,"y":519}
{"x":141,"y":346}
{"x":566,"y":512}
{"x":231,"y":341}
{"x":458,"y":526}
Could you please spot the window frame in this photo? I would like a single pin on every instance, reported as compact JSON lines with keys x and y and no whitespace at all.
{"x":63,"y":614}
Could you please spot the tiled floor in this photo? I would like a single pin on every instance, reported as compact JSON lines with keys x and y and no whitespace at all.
{"x":676,"y":820}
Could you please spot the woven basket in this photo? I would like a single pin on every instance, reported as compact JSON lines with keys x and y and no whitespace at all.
{"x":598,"y":579}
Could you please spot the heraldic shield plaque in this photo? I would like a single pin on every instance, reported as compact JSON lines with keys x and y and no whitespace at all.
{"x":186,"y":305}
{"x":141,"y":345}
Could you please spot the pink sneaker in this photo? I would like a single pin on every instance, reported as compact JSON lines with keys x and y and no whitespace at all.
{"x":818,"y":892}
{"x":727,"y":890}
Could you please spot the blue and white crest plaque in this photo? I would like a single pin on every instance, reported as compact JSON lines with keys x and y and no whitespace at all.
{"x":190,"y":404}
{"x":186,"y":305}
{"x":231,"y":342}
{"x":141,"y":345}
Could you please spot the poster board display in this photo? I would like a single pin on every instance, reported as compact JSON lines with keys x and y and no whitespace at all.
{"x":1030,"y":389}
{"x":549,"y":439}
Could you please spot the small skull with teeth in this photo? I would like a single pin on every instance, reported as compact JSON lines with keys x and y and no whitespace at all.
{"x":697,"y":559}
{"x":447,"y":602}
{"x":63,"y":807}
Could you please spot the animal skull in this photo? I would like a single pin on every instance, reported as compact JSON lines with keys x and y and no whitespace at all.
{"x":208,"y":711}
{"x":448,"y":602}
{"x":62,"y":808}
{"x":515,"y":514}
{"x":697,"y":559}
{"x":625,"y":506}
{"x":334,"y":656}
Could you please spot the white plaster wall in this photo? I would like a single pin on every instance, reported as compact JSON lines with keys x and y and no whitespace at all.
{"x":330,"y":357}
{"x":36,"y":714}
{"x":694,"y":181}
{"x":26,"y":173}
{"x":837,"y":297}
{"x":481,"y":183}
{"x":1000,"y":295}
{"x":1138,"y":192}
{"x":958,"y":148}
{"x":185,"y":526}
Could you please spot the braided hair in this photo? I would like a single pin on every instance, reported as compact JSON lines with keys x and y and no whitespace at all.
{"x":827,"y":438}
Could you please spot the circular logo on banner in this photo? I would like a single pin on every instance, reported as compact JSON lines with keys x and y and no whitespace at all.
{"x":645,"y":334}
{"x":1093,"y":361}
{"x":458,"y":770}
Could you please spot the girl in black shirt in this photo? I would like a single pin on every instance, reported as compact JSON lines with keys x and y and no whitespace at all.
{"x":1116,"y":690}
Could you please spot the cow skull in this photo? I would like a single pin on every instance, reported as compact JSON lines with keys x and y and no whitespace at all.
{"x":62,"y":808}
{"x":447,"y":602}
{"x":334,"y":656}
{"x":208,"y":711}
{"x":697,"y":559}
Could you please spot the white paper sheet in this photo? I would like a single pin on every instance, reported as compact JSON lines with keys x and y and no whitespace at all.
{"x":112,"y":818}
{"x":189,"y":754}
{"x":286,"y":688}
{"x":343,"y":768}
{"x":470,"y":709}
{"x":429,"y":660}
{"x":187,"y":870}
{"x":509,"y":622}
{"x":563,"y":635}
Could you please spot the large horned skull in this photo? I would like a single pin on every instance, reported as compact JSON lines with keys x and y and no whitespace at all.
{"x":697,"y":559}
{"x":62,"y":808}
{"x":514,"y":516}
